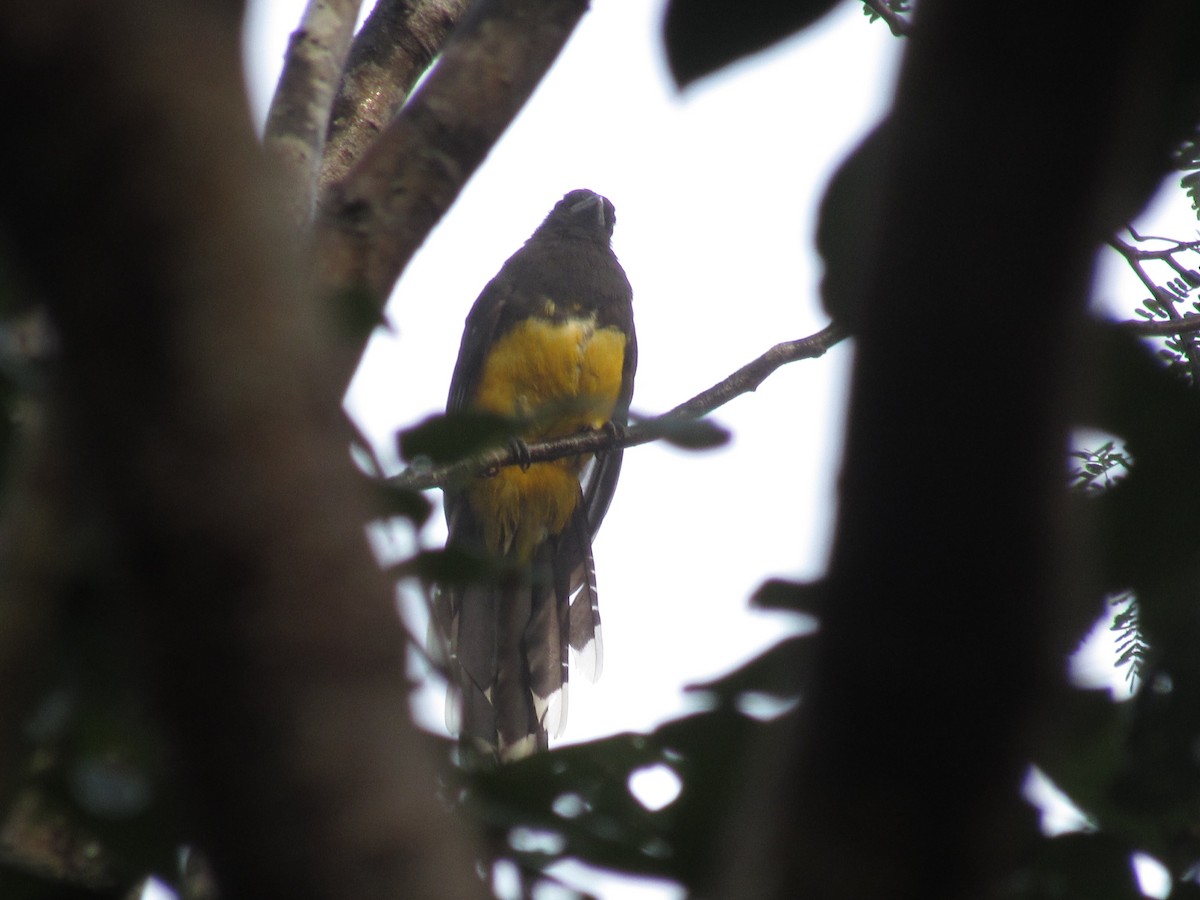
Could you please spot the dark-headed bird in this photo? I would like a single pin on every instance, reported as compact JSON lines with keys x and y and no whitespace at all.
{"x":550,"y":346}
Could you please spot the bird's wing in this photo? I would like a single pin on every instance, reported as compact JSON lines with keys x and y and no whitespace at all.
{"x":478,"y":333}
{"x":599,"y":477}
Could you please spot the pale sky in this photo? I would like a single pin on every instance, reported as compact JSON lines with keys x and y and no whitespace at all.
{"x":715,"y":193}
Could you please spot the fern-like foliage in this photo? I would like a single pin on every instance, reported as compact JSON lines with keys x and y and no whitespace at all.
{"x":1131,"y":645}
{"x":1097,"y":471}
{"x":1180,"y":353}
{"x":1187,"y":161}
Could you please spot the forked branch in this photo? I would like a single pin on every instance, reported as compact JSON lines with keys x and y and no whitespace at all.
{"x":378,"y":216}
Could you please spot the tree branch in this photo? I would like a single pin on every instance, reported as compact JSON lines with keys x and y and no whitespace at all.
{"x":1164,"y":299}
{"x":743,"y":381}
{"x":398,"y":41}
{"x":1163,"y":327}
{"x":1135,"y":256}
{"x":382,"y":211}
{"x":299,"y":115}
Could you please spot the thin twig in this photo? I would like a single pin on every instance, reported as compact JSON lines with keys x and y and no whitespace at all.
{"x":744,"y":380}
{"x":1136,"y":256}
{"x":1176,"y":323}
{"x":299,"y":114}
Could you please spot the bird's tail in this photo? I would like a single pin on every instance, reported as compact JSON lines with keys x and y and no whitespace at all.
{"x":509,"y":648}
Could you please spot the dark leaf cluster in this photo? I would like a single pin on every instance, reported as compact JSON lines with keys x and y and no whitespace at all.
{"x":1187,"y":161}
{"x":575,"y":802}
{"x":893,"y":12}
{"x":1132,"y":649}
{"x":1098,"y":469}
{"x":1129,"y":766}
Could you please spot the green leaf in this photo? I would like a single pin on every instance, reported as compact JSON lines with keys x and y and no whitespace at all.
{"x":447,"y":438}
{"x":21,"y":885}
{"x":357,"y":312}
{"x":1081,"y":866}
{"x":451,"y":565}
{"x":793,"y":596}
{"x":695,"y":434}
{"x":580,"y":796}
{"x":702,"y":36}
{"x":1127,"y":655}
{"x":404,"y":502}
{"x":846,"y":222}
{"x":781,"y":671}
{"x":1191,"y":185}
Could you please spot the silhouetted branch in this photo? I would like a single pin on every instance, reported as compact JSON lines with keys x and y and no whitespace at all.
{"x":1163,"y":327}
{"x":299,"y":116}
{"x":397,"y":42}
{"x":1136,"y":256}
{"x":744,"y":380}
{"x":1164,"y":299}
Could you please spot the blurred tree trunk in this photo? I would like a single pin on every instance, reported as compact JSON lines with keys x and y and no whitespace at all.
{"x":197,"y":409}
{"x":1020,"y":140}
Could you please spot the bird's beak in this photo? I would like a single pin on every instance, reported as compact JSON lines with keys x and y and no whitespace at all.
{"x":591,"y":205}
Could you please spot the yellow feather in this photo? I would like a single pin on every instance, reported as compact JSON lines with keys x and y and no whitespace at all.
{"x":561,"y":378}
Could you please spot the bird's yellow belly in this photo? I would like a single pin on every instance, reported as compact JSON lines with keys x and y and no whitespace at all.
{"x":559,"y":378}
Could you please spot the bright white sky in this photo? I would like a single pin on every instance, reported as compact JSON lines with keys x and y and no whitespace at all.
{"x":715,"y":193}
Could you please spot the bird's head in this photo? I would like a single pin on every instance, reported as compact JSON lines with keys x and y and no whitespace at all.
{"x":583,"y":214}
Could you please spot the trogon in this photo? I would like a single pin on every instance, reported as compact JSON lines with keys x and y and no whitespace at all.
{"x":550,"y":346}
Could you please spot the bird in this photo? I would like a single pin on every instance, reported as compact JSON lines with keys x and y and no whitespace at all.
{"x":550,"y":346}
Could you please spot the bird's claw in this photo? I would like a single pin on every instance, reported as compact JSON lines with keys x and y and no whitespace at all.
{"x":520,"y":451}
{"x":615,"y":430}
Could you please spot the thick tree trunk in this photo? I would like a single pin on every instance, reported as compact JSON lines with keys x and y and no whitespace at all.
{"x":1020,"y":139}
{"x":201,"y":414}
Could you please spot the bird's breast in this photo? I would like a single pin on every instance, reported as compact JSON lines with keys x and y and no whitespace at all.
{"x":558,"y":376}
